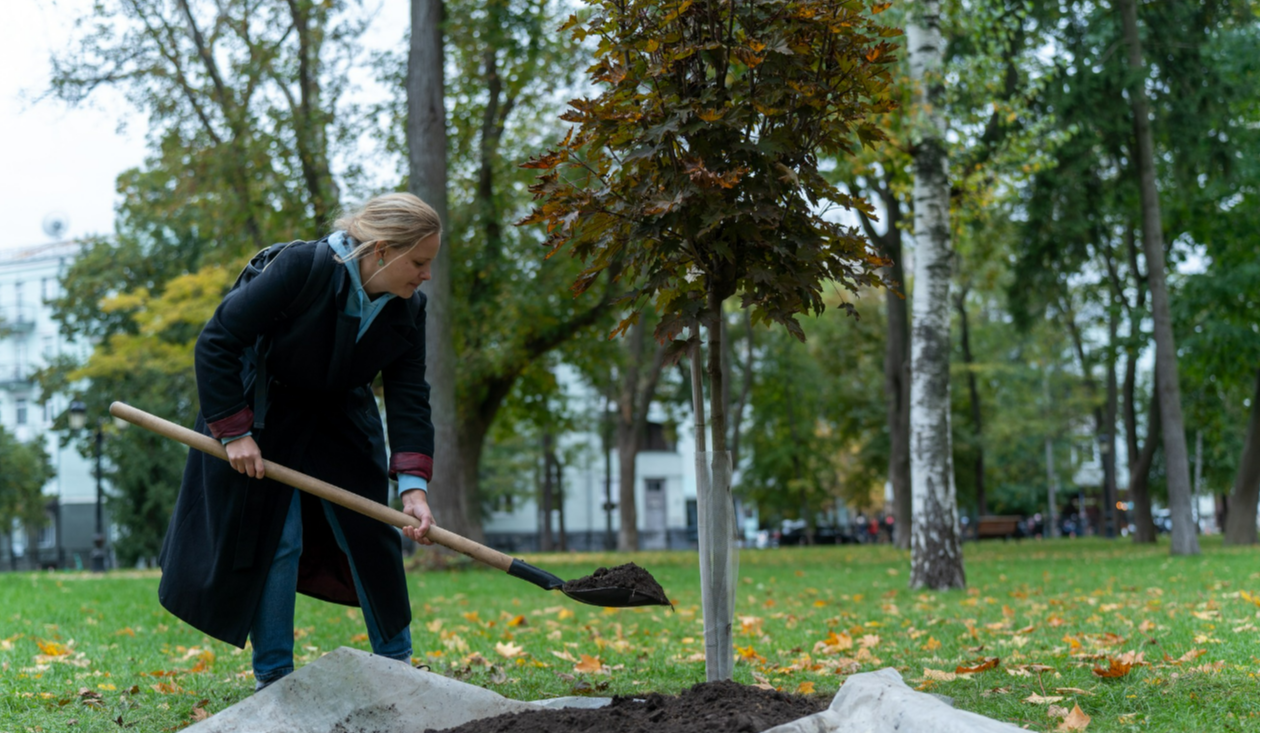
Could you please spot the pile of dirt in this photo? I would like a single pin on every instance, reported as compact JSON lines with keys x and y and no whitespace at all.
{"x":629,"y":576}
{"x":712,"y":706}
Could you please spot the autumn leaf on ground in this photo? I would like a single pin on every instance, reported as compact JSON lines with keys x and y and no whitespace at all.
{"x":1073,"y":691}
{"x":931,"y":645}
{"x":939,"y":675}
{"x":588,"y":664}
{"x":1188,"y":657}
{"x":125,"y":632}
{"x":1037,"y":699}
{"x":52,"y":648}
{"x":199,"y":714}
{"x":805,"y":688}
{"x":564,"y":655}
{"x":1116,"y":668}
{"x":1210,"y":668}
{"x":1146,"y":626}
{"x":516,"y":621}
{"x":1254,"y":599}
{"x":834,"y":643}
{"x":978,"y":665}
{"x":508,"y":650}
{"x":868,"y":641}
{"x":1076,"y":720}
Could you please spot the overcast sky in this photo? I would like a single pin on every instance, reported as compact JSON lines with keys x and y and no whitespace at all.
{"x":54,"y":159}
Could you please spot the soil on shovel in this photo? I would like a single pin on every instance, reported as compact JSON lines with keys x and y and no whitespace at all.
{"x":711,"y":706}
{"x":629,"y":576}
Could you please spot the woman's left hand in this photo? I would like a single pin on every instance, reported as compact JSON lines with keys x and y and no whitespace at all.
{"x":416,"y":504}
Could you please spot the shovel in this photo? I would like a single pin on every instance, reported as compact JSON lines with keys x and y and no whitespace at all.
{"x":612,"y":597}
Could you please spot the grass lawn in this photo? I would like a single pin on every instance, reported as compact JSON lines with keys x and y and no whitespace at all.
{"x":97,"y":652}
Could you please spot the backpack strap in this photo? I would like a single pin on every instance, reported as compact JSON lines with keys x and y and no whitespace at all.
{"x":317,"y":279}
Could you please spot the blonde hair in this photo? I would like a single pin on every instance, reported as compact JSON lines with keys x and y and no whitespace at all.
{"x":398,"y":220}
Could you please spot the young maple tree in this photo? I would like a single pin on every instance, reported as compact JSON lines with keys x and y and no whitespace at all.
{"x":694,"y":172}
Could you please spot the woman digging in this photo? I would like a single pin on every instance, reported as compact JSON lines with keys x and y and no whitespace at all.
{"x":323,"y":319}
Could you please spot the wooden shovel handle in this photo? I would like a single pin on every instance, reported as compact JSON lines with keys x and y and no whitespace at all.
{"x":311,"y":485}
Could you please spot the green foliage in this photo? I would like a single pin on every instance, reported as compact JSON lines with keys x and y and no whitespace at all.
{"x":694,"y":173}
{"x":24,"y":469}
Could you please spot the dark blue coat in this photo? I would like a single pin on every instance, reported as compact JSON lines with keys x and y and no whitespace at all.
{"x":323,"y":421}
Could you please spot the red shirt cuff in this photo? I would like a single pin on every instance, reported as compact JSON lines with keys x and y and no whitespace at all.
{"x":233,"y":425}
{"x":415,"y":464}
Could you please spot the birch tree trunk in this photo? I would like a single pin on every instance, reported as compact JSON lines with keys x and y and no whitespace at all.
{"x":936,"y":557}
{"x":427,"y":176}
{"x":1183,"y":537}
{"x":1241,"y":512}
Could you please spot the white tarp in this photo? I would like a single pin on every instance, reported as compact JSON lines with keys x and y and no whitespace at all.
{"x":349,"y":691}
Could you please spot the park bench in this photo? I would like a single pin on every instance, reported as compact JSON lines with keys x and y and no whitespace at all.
{"x":998,"y":526}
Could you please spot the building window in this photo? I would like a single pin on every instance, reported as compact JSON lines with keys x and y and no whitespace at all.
{"x":20,"y":410}
{"x":657,"y":437}
{"x":655,"y":484}
{"x":49,"y":287}
{"x":48,"y":534}
{"x":17,"y":301}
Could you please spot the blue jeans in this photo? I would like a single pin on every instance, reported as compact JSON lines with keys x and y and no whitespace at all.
{"x":271,"y":633}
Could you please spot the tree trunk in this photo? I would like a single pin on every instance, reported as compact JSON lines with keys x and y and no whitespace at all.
{"x":714,"y":502}
{"x":897,"y":376}
{"x":1241,"y":519}
{"x":427,"y":177}
{"x":936,"y":557}
{"x":1107,"y":434}
{"x":546,"y":543}
{"x":1140,"y":472}
{"x":974,"y":402}
{"x":1184,"y":539}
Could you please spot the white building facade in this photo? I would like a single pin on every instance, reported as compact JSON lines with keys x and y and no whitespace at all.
{"x":29,"y":339}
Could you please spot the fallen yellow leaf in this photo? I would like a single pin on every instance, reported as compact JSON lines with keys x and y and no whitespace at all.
{"x":563,"y":655}
{"x":980,"y":665}
{"x":805,"y":688}
{"x":1076,"y":720}
{"x":589,"y":664}
{"x":931,"y":645}
{"x":52,"y":648}
{"x":1116,"y":668}
{"x":508,"y":650}
{"x":1037,"y":699}
{"x":939,"y":675}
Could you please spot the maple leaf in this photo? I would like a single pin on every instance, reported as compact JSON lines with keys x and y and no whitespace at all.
{"x":199,"y":714}
{"x":868,"y":641}
{"x":805,"y":688}
{"x":508,"y":650}
{"x":939,"y":675}
{"x":1116,"y":668}
{"x":564,"y":655}
{"x":981,"y":664}
{"x":1076,"y":720}
{"x":931,"y":645}
{"x":1188,"y":657}
{"x":588,"y":664}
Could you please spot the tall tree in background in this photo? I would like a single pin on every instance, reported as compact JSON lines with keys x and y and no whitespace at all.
{"x":427,"y":178}
{"x":640,"y":374}
{"x":936,"y":555}
{"x":1184,"y":536}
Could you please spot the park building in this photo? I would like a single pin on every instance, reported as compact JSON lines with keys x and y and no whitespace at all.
{"x":588,"y":487}
{"x":29,"y":339}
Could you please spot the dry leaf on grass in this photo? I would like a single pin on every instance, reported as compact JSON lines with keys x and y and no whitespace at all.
{"x":1076,"y":720}
{"x":1072,"y":691}
{"x":564,"y":655}
{"x":981,"y":664}
{"x":589,"y":664}
{"x":805,"y":688}
{"x":1188,"y":657}
{"x":1116,"y":668}
{"x":508,"y":650}
{"x":939,"y":676}
{"x":1037,"y":699}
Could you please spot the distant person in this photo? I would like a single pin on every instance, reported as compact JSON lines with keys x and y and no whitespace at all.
{"x":240,"y":545}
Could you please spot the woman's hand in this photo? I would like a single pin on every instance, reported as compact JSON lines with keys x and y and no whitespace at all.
{"x":245,"y":457}
{"x":416,"y":504}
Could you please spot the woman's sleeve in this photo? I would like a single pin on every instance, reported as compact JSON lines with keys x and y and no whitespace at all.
{"x":245,"y":313}
{"x":407,"y":413}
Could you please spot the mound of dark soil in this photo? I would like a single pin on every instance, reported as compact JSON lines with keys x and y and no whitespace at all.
{"x":709,"y":707}
{"x":629,"y":576}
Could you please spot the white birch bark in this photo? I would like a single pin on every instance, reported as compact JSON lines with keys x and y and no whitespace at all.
{"x":936,"y":557}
